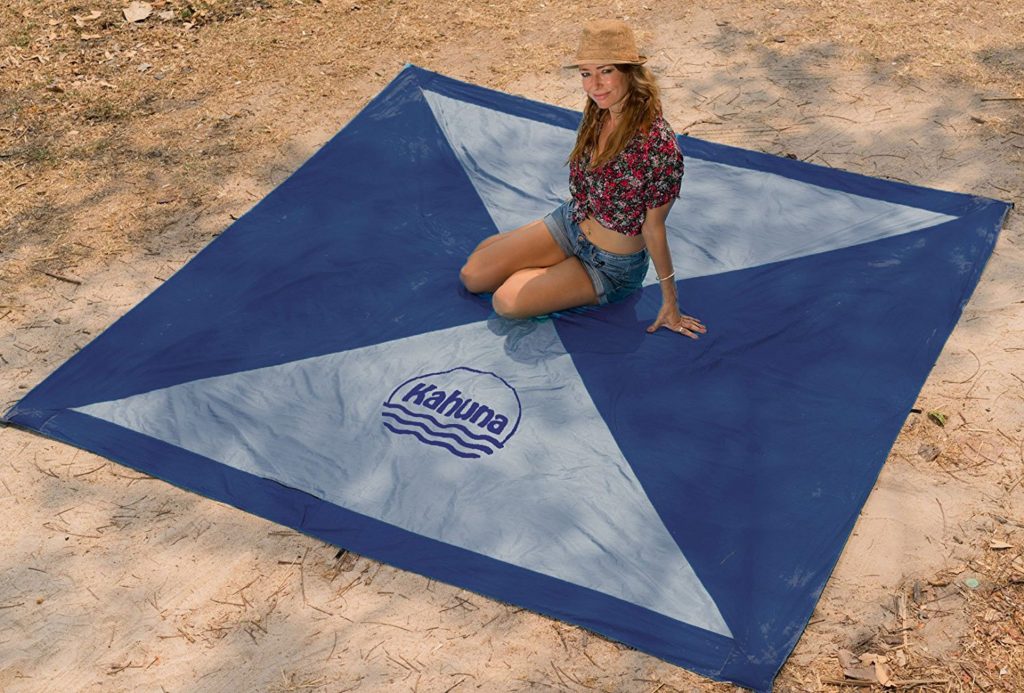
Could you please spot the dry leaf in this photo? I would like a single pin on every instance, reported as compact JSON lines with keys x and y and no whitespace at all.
{"x":137,"y":11}
{"x":869,"y":667}
{"x":80,"y":20}
{"x":883,"y":674}
{"x":846,"y":658}
{"x":853,"y":669}
{"x":999,"y":545}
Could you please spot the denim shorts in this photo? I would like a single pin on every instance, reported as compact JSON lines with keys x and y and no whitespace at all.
{"x":614,"y":276}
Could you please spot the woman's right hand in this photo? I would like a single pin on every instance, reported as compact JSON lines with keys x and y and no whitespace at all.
{"x":671,"y":319}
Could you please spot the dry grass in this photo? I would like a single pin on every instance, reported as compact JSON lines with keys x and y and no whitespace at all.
{"x":958,"y":42}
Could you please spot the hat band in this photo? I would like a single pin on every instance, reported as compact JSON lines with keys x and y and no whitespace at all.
{"x":608,"y":60}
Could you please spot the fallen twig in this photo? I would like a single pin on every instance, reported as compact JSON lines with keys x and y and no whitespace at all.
{"x":60,"y":277}
{"x":380,"y":623}
{"x":80,"y":474}
{"x":454,"y":686}
{"x":909,"y":683}
{"x":73,"y":534}
{"x":217,"y":601}
{"x":978,"y":368}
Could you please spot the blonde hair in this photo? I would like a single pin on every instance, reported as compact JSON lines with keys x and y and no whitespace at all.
{"x":641,"y":106}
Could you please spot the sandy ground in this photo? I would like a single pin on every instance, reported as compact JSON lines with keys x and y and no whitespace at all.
{"x":125,"y":148}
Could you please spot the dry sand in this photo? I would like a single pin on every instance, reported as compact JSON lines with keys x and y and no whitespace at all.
{"x":125,"y":148}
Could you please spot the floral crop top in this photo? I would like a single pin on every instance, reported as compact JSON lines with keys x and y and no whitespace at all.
{"x":645,"y":175}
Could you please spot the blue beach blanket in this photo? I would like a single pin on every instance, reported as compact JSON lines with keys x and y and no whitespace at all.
{"x":319,"y":365}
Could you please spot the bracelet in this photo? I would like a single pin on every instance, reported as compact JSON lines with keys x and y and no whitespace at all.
{"x":661,"y":279}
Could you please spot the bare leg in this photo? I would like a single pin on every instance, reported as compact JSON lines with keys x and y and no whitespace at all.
{"x":541,"y":290}
{"x":488,"y":241}
{"x":498,"y":257}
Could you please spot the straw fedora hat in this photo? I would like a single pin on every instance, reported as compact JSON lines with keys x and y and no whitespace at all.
{"x":607,"y":42}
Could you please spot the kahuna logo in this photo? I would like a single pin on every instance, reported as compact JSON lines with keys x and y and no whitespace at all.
{"x":466,"y":411}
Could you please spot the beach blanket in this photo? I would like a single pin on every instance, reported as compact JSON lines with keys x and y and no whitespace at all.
{"x":320,"y":365}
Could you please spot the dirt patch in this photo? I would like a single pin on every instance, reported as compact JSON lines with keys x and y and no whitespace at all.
{"x":126,"y":147}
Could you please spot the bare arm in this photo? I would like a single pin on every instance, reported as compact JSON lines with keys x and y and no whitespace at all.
{"x":653,"y":231}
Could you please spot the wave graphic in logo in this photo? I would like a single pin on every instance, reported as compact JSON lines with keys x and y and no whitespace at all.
{"x":466,"y":411}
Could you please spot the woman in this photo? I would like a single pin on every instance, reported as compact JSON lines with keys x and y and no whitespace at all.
{"x":624,"y":175}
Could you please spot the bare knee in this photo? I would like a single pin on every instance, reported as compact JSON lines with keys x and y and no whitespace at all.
{"x":505,"y":304}
{"x":472,"y":278}
{"x":478,"y":275}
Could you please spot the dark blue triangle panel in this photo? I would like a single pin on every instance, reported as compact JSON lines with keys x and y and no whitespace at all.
{"x":292,"y":277}
{"x":773,"y":428}
{"x":319,"y":365}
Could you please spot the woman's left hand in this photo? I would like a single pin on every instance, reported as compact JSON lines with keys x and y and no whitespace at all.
{"x":670,"y":318}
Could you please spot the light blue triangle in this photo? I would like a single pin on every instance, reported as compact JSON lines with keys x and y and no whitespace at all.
{"x":727,"y":217}
{"x":554,"y":496}
{"x":516,"y":165}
